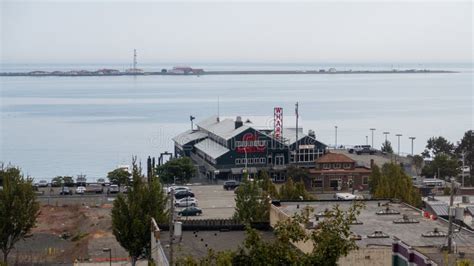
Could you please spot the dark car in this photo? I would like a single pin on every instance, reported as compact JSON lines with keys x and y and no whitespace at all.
{"x":183,"y":194}
{"x":231,"y":184}
{"x":190,"y":211}
{"x":65,"y":191}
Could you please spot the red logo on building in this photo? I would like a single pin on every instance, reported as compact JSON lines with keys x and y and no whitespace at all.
{"x":250,"y":144}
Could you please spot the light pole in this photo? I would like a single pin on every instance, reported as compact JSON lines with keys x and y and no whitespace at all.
{"x":372,"y":129}
{"x":398,"y":135}
{"x":366,"y":140}
{"x":386,"y":133}
{"x":110,"y":254}
{"x":412,"y":139}
{"x":335,"y":146}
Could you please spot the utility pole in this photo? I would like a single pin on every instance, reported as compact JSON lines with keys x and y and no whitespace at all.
{"x":171,"y":224}
{"x":450,"y":212}
{"x":335,"y":145}
{"x":462,"y":170}
{"x":412,"y":139}
{"x":366,"y":140}
{"x":398,"y":135}
{"x":297,"y":129}
{"x":372,"y":129}
{"x":134,"y":59}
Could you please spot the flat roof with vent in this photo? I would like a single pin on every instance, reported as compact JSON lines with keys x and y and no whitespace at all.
{"x":403,"y":222}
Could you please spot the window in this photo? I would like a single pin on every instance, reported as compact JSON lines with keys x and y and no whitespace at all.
{"x":334,"y":183}
{"x":325,"y":166}
{"x":317,"y":183}
{"x":237,"y":161}
{"x":269,"y":159}
{"x":347,"y":165}
{"x":365,"y":180}
{"x":337,"y":166}
{"x":279,"y":159}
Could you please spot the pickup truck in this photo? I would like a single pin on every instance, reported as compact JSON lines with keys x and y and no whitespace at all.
{"x":359,"y":149}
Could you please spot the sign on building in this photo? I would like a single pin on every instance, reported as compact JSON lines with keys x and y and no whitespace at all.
{"x":278,"y":122}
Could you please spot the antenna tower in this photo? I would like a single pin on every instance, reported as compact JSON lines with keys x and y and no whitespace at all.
{"x":134,"y":59}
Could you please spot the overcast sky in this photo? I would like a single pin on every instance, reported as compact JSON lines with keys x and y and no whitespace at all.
{"x":95,"y":31}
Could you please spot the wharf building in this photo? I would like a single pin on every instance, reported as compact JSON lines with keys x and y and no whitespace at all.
{"x":228,"y":147}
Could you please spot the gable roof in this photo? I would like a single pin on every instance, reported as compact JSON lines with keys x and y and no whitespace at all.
{"x":334,"y":158}
{"x":211,"y":148}
{"x":189,"y":136}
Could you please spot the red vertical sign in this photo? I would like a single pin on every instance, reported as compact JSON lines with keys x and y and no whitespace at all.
{"x":278,"y":122}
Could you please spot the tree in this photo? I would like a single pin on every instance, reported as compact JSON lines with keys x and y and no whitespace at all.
{"x":417,"y":163}
{"x":181,"y":168}
{"x":62,"y":181}
{"x":438,"y":145}
{"x":132,"y":213}
{"x":298,"y":174}
{"x":119,"y":176}
{"x":387,"y":147}
{"x":466,"y":146}
{"x":448,"y":167}
{"x":294,"y":191}
{"x":374,"y":179}
{"x":267,"y":185}
{"x":18,"y":208}
{"x":392,"y":182}
{"x":251,"y":203}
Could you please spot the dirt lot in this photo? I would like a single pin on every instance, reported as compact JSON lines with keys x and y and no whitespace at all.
{"x":64,"y":234}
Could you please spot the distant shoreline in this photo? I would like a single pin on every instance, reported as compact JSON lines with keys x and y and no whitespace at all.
{"x":99,"y":73}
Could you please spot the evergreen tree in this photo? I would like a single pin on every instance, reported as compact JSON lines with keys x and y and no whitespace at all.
{"x":387,"y":147}
{"x":18,"y":208}
{"x":374,"y":179}
{"x":132,"y":213}
{"x":294,"y":191}
{"x":251,"y":203}
{"x":267,"y":185}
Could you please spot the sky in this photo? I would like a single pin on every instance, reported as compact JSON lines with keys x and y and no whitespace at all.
{"x":197,"y":31}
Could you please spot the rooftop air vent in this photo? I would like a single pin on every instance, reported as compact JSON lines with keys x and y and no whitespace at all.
{"x":378,"y":234}
{"x":356,"y":222}
{"x":355,"y":236}
{"x":435,"y":233}
{"x":405,"y":220}
{"x":387,"y":211}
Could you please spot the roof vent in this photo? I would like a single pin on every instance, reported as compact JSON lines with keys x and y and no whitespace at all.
{"x":434,"y":233}
{"x":378,"y":234}
{"x":387,"y":211}
{"x":238,"y":122}
{"x":355,"y":236}
{"x":405,"y":220}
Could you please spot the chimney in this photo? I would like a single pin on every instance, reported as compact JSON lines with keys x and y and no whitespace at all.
{"x":312,"y":134}
{"x":371,"y":163}
{"x":238,"y":122}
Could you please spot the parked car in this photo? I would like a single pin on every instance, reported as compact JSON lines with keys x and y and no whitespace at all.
{"x":190,"y":211}
{"x":114,"y":189}
{"x":231,"y":184}
{"x":80,"y":190}
{"x":177,"y":188}
{"x":186,"y":202}
{"x":65,"y":191}
{"x":360,"y":149}
{"x":95,"y":188}
{"x":42,"y":183}
{"x":183,"y":194}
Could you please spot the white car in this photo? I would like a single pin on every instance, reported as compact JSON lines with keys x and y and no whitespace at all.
{"x":186,"y":202}
{"x":178,"y":188}
{"x":80,"y":190}
{"x":43,"y":183}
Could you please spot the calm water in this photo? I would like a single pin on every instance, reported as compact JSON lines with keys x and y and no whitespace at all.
{"x":70,"y":125}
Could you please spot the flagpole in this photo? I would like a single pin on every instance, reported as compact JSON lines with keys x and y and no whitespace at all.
{"x":296,"y":143}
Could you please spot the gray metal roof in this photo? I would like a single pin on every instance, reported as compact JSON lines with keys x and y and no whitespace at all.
{"x":439,"y":208}
{"x":188,"y":136}
{"x":211,"y":148}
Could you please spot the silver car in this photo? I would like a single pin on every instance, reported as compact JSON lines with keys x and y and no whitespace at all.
{"x":186,"y":202}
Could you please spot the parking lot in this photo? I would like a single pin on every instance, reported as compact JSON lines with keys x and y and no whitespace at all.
{"x":215,"y":202}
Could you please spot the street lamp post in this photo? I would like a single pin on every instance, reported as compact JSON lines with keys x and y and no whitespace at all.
{"x":372,"y":129}
{"x":412,"y":139}
{"x":366,"y":140}
{"x":110,"y":254}
{"x":386,"y":133}
{"x":335,"y":146}
{"x":398,"y":135}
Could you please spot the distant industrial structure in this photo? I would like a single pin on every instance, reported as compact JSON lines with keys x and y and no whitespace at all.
{"x":134,"y":69}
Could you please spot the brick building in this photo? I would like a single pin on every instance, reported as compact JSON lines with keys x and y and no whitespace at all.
{"x":337,"y":172}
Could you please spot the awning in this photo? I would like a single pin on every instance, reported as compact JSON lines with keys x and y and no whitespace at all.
{"x":240,"y":170}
